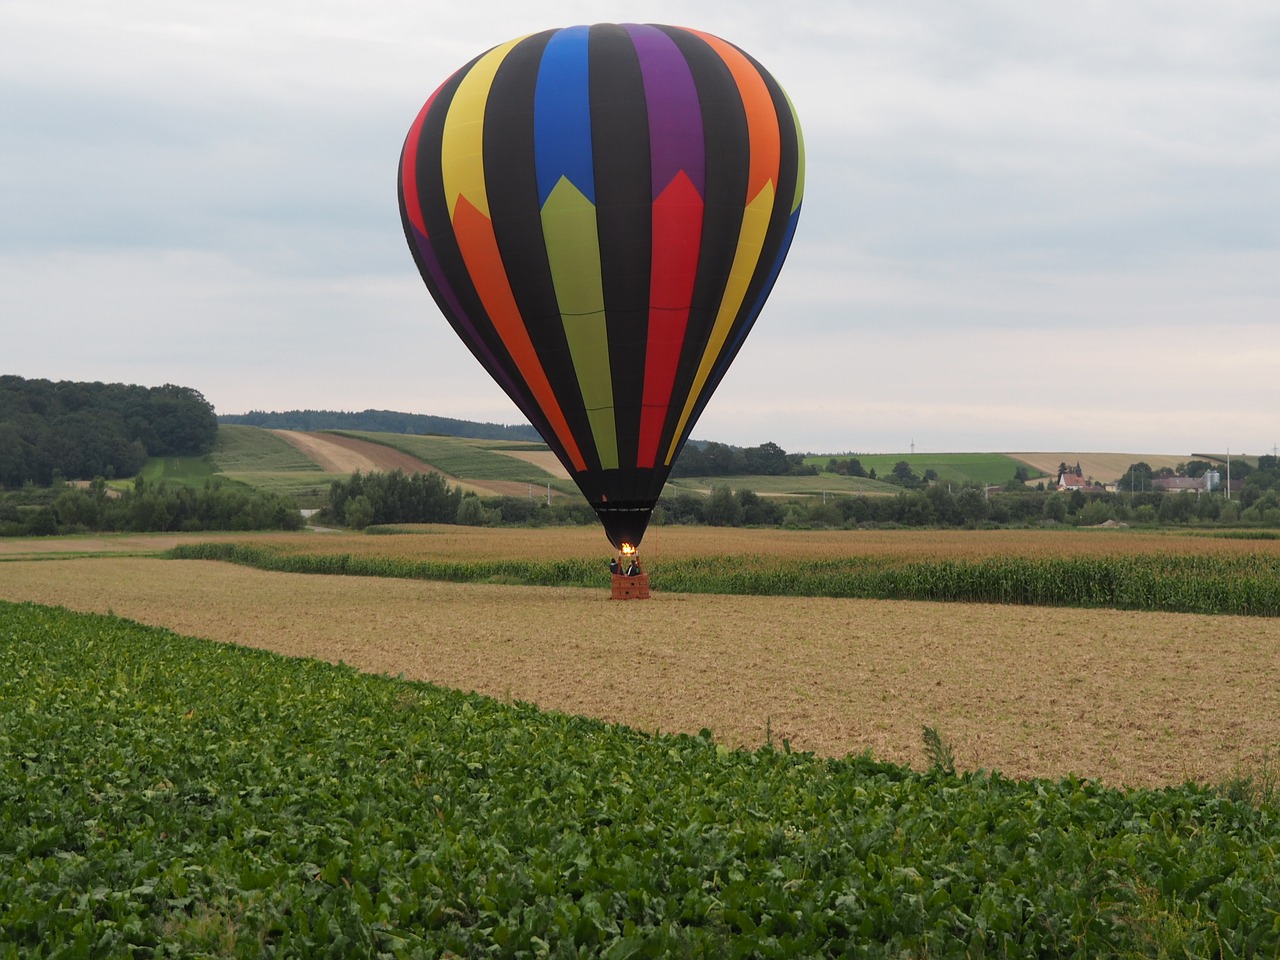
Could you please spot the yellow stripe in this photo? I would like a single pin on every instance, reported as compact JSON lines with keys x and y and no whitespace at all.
{"x":462,"y":150}
{"x":795,"y":119}
{"x":573,"y":251}
{"x":755,"y":224}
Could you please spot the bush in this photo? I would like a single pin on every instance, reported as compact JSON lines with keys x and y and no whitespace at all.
{"x":722,"y":509}
{"x":396,"y":497}
{"x":471,"y":512}
{"x":1096,"y":512}
{"x":359,"y":512}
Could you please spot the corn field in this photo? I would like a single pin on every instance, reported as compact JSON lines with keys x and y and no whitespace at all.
{"x":1243,"y":584}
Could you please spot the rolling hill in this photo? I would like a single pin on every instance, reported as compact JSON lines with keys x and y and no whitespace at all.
{"x":303,"y":464}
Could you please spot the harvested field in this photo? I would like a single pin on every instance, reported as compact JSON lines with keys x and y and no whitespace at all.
{"x":1128,"y":698}
{"x":1103,"y":467}
{"x":339,"y":454}
{"x":543,"y":459}
{"x":451,"y":542}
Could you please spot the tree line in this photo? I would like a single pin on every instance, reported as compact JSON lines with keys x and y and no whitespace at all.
{"x":393,"y":497}
{"x":77,"y":431}
{"x":146,"y":507}
{"x":381,"y":421}
{"x":425,"y":498}
{"x":711,"y":459}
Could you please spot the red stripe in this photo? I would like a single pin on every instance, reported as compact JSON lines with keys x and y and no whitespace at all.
{"x":409,"y":167}
{"x":677,"y":241}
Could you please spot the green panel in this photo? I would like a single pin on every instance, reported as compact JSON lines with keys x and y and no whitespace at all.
{"x":573,"y":251}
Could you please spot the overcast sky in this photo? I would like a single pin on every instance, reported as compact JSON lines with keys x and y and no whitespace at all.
{"x":1025,"y":226}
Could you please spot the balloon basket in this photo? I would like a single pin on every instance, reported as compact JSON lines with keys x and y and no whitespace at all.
{"x":630,"y":588}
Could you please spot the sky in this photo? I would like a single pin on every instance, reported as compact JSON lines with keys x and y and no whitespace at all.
{"x":1026,"y":227}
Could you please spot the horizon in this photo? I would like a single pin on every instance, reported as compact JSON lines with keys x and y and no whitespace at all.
{"x":808,"y":453}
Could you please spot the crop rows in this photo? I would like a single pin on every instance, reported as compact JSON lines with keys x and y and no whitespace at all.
{"x":1243,"y":584}
{"x":164,"y":796}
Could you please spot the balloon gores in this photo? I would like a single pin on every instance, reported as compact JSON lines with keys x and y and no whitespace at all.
{"x":600,"y":213}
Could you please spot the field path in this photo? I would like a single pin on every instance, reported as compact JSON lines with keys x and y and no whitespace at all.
{"x":1143,"y":699}
{"x":336,"y":454}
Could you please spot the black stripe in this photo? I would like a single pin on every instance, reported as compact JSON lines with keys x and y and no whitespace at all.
{"x":775,"y":234}
{"x":511,"y":182}
{"x":727,"y":169}
{"x":624,"y":219}
{"x":435,"y":216}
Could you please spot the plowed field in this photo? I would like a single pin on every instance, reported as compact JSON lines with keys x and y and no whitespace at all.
{"x":1129,"y":698}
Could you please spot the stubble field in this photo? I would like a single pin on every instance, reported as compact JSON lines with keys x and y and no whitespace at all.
{"x":1125,"y":697}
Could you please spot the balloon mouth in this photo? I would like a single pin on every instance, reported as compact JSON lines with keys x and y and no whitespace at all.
{"x":624,"y":521}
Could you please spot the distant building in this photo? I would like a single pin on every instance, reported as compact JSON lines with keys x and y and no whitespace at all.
{"x":1070,"y":480}
{"x":1210,"y":481}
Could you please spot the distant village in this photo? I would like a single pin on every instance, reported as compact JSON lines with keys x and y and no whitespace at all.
{"x":1073,"y":478}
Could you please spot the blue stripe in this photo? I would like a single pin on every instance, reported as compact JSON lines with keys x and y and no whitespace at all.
{"x":562,"y":115}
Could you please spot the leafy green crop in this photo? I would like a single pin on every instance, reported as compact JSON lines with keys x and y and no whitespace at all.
{"x":168,"y":797}
{"x":252,"y":449}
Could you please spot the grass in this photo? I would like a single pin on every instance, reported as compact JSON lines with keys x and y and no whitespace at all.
{"x":309,"y":489}
{"x":957,"y":468}
{"x":260,"y":459}
{"x":243,"y":450}
{"x":185,"y":471}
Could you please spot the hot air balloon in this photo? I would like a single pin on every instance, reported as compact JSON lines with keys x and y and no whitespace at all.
{"x":600,"y":212}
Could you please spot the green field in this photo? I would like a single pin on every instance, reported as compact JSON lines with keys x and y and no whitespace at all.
{"x":260,"y":459}
{"x":189,"y":471}
{"x":168,"y":796}
{"x":956,"y":468}
{"x":242,"y":449}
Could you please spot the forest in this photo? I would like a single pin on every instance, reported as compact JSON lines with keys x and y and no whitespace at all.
{"x":381,"y":421}
{"x":69,"y":430}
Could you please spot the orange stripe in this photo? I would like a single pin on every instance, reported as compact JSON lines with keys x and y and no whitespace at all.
{"x":474,"y":233}
{"x":762,"y":116}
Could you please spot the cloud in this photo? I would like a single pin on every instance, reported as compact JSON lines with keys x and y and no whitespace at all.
{"x":1002,"y":199}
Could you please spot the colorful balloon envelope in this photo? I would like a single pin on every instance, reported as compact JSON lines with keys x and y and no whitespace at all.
{"x":600,"y":212}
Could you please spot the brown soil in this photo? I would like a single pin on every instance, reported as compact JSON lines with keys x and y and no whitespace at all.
{"x":336,"y":454}
{"x":1130,"y":698}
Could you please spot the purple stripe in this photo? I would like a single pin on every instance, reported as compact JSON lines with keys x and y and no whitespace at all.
{"x":675,"y":116}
